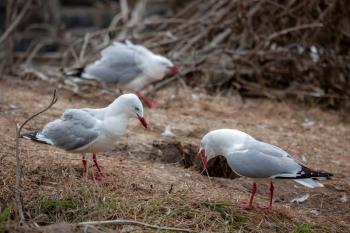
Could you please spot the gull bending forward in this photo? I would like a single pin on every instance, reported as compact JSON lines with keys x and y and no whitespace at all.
{"x":130,"y":66}
{"x":252,"y":158}
{"x":90,"y":130}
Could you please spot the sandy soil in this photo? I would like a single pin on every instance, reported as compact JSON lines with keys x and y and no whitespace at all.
{"x":148,"y":183}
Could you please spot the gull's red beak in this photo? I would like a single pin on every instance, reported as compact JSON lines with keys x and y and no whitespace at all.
{"x":201,"y":153}
{"x":143,"y":122}
{"x":174,"y":69}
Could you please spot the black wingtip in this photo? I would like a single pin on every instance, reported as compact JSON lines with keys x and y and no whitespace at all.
{"x":29,"y":135}
{"x":308,"y":173}
{"x":73,"y":72}
{"x":33,"y":136}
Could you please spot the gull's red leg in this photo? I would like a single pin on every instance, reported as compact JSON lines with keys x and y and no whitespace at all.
{"x":96,"y":164}
{"x":272,"y":188}
{"x":250,"y":204}
{"x":84,"y":163}
{"x":150,"y":103}
{"x":252,"y":195}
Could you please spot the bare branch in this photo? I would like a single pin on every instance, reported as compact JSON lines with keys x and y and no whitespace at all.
{"x":18,"y":193}
{"x":15,"y":22}
{"x":135,"y":223}
{"x":86,"y":42}
{"x":293,"y":29}
{"x":217,"y":40}
{"x":124,"y":10}
{"x":53,"y":101}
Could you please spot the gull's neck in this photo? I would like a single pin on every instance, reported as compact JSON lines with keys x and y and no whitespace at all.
{"x":116,"y":119}
{"x":115,"y":125}
{"x":227,"y":151}
{"x":152,"y":70}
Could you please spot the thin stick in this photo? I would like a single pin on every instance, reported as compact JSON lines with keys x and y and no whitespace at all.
{"x":82,"y":52}
{"x":135,"y":223}
{"x":206,"y":170}
{"x":16,"y":22}
{"x":35,"y":50}
{"x":53,"y":101}
{"x":74,"y":54}
{"x":18,"y":191}
{"x":293,"y":29}
{"x":161,"y":84}
{"x":8,"y":44}
{"x":124,"y":10}
{"x":217,"y":40}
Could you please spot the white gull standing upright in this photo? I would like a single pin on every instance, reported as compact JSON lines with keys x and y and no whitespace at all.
{"x":90,"y":130}
{"x":130,"y":66}
{"x":252,"y":158}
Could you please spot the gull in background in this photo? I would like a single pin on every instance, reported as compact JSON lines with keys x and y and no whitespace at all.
{"x":131,"y":66}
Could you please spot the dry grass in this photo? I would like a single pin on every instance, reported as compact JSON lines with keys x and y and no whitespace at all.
{"x":142,"y":187}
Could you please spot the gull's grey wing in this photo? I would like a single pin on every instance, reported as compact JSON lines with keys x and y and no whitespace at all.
{"x":267,"y":148}
{"x":119,"y":64}
{"x":137,"y":48}
{"x":75,"y":129}
{"x":95,"y":113}
{"x":262,"y":160}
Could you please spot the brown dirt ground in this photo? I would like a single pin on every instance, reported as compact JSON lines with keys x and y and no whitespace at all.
{"x":141,"y":185}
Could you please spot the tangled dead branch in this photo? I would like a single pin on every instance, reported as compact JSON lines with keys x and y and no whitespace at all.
{"x":275,"y":49}
{"x":272,"y":49}
{"x":18,"y":19}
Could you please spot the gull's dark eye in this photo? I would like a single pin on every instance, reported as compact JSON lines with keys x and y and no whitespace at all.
{"x":137,"y":109}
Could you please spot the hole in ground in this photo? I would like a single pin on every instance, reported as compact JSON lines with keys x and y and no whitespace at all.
{"x":173,"y":151}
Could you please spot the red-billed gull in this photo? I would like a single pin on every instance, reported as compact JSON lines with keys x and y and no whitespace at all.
{"x":90,"y":130}
{"x":130,"y":66}
{"x":252,"y":158}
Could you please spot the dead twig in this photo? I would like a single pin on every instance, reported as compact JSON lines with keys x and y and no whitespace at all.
{"x":217,"y":40}
{"x":36,"y":49}
{"x":18,"y":190}
{"x":53,"y":101}
{"x":135,"y":223}
{"x":82,"y":51}
{"x":15,"y":22}
{"x":135,"y":19}
{"x":36,"y":73}
{"x":124,"y":8}
{"x":160,"y":85}
{"x":293,"y":29}
{"x":206,"y":171}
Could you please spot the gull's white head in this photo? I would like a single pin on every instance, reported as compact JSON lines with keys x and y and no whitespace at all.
{"x":130,"y":105}
{"x":217,"y":142}
{"x":167,"y":65}
{"x":159,"y":66}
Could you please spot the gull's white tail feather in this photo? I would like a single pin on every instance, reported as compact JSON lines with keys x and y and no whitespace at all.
{"x":310,"y":183}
